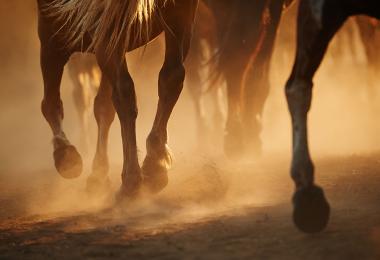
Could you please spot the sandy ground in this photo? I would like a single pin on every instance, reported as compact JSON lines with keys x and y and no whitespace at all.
{"x":239,"y":211}
{"x":212,"y":208}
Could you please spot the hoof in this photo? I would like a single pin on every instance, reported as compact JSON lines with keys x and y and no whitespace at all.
{"x":311,"y":210}
{"x":98,"y":185}
{"x":130,"y":189}
{"x":68,"y":162}
{"x":155,"y":174}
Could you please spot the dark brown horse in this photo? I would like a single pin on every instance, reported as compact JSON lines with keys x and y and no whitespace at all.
{"x":318,"y":21}
{"x":246,"y":33}
{"x":110,"y":29}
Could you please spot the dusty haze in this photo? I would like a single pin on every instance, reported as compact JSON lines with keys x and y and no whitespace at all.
{"x":342,"y":122}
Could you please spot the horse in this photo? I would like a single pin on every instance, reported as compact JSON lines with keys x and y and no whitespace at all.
{"x":109,"y":29}
{"x":317,"y":23}
{"x":246,"y":32}
{"x":199,"y":76}
{"x":83,"y":71}
{"x":206,"y":30}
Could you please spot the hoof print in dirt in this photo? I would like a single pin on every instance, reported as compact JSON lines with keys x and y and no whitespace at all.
{"x":311,"y":210}
{"x":68,"y":162}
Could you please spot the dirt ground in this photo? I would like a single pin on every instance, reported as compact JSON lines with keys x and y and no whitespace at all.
{"x":212,"y":208}
{"x":211,"y":215}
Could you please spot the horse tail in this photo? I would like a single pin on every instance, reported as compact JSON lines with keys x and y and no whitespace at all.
{"x":111,"y":24}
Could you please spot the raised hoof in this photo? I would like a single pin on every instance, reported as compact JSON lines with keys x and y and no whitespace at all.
{"x":98,"y":185}
{"x":155,"y":175}
{"x":68,"y":162}
{"x":311,"y":210}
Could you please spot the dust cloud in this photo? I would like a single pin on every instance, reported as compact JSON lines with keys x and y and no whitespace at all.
{"x":203,"y":183}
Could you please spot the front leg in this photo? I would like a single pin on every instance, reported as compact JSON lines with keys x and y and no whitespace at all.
{"x":104,"y":112}
{"x":124,"y":101}
{"x":158,"y":159}
{"x":311,"y":209}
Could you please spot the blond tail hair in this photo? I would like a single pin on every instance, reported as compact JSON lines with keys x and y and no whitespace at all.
{"x":112,"y":24}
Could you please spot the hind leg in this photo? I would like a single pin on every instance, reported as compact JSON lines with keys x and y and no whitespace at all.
{"x":194,"y":85}
{"x":79,"y":101}
{"x":104,"y":114}
{"x":311,"y":210}
{"x":67,"y":159}
{"x":233,"y":139}
{"x":255,"y":95}
{"x":125,"y":103}
{"x":171,"y":78}
{"x":256,"y":78}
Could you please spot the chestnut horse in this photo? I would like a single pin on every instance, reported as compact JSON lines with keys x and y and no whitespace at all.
{"x":318,"y":21}
{"x":109,"y":29}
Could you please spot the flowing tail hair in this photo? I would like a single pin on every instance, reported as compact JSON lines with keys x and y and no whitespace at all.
{"x":112,"y":24}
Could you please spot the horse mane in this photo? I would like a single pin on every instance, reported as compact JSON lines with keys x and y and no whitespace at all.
{"x":112,"y":24}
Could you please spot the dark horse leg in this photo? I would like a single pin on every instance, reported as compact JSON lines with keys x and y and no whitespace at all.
{"x":171,"y":78}
{"x":104,"y":114}
{"x":256,"y":79}
{"x":240,"y":50}
{"x":67,"y":159}
{"x":311,"y":210}
{"x":124,"y":100}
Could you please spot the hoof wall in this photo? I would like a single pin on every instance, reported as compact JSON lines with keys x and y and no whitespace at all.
{"x":68,"y":162}
{"x":311,"y":210}
{"x":155,"y":177}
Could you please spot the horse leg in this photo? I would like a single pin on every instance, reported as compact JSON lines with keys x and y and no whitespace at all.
{"x":194,"y":85}
{"x":256,"y":78}
{"x":234,"y":144}
{"x":311,"y":210}
{"x":158,"y":159}
{"x":79,"y":100}
{"x":243,"y":45}
{"x":218,"y":116}
{"x":104,"y":112}
{"x":255,"y":95}
{"x":124,"y":101}
{"x":68,"y":162}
